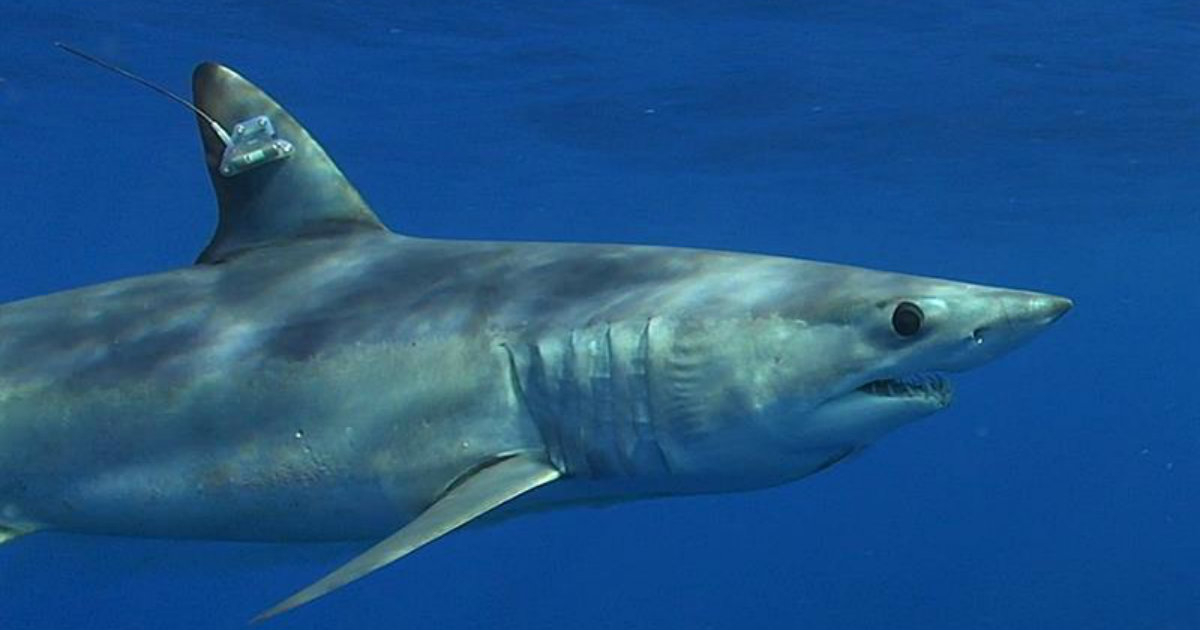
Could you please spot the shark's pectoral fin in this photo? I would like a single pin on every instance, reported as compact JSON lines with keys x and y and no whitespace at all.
{"x":9,"y":534}
{"x":300,"y":196}
{"x":481,"y":491}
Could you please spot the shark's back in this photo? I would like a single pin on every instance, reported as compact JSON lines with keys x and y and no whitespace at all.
{"x":374,"y":287}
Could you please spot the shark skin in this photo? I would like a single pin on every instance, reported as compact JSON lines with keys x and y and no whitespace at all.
{"x":317,"y":377}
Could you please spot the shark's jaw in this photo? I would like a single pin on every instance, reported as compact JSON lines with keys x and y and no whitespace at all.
{"x":929,"y":387}
{"x":860,"y":415}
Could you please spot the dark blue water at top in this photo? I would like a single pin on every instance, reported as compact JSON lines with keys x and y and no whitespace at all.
{"x":1051,"y":146}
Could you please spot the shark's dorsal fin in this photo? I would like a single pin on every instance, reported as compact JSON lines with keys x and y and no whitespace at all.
{"x":302,"y":196}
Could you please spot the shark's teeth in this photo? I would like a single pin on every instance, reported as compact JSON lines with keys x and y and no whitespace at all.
{"x":912,"y":386}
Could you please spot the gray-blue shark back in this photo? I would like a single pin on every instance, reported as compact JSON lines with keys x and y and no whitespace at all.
{"x":317,"y":377}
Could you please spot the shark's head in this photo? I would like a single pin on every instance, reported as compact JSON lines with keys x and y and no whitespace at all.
{"x":818,"y":373}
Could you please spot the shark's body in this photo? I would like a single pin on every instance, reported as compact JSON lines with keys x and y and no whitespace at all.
{"x":333,"y":389}
{"x":317,"y":377}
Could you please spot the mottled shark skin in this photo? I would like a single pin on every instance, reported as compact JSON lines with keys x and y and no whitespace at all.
{"x":318,"y":377}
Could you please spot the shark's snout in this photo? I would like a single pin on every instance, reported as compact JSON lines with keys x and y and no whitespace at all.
{"x":1002,"y":320}
{"x":1024,"y":310}
{"x":1054,"y":307}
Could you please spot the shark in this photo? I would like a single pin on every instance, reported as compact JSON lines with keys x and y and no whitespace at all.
{"x":315,"y":376}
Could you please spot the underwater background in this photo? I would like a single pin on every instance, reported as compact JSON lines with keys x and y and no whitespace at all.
{"x":1049,"y":146}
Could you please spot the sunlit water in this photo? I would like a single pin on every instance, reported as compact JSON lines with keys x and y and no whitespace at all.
{"x":1045,"y":147}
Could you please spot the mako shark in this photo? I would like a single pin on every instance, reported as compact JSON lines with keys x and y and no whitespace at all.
{"x":315,"y":376}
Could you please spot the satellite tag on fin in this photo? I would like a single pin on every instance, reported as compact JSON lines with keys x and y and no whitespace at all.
{"x":265,"y":199}
{"x":252,"y":144}
{"x":474,"y":495}
{"x":261,"y":202}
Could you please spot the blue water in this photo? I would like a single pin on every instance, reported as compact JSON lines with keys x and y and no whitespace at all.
{"x":1051,"y":146}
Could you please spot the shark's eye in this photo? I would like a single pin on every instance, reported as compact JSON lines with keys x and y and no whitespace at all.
{"x":907,"y":318}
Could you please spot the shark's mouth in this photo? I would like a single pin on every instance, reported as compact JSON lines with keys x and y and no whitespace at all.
{"x":929,"y":386}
